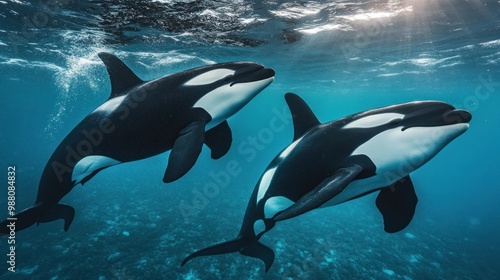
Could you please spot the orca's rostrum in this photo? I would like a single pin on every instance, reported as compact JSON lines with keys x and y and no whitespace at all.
{"x":178,"y":112}
{"x":331,"y":163}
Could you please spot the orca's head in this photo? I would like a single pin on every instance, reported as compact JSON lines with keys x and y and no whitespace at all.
{"x":401,"y":138}
{"x":228,"y":87}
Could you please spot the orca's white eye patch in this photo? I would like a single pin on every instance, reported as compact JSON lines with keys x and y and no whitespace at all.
{"x":209,"y":77}
{"x":375,"y":120}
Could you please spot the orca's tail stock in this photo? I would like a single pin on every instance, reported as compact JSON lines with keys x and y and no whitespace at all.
{"x":39,"y":213}
{"x":254,"y":249}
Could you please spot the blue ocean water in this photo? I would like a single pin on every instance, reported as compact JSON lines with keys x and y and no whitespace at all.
{"x":341,"y":57}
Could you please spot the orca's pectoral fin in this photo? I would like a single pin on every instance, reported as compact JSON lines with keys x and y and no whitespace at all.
{"x":60,"y":211}
{"x":326,"y":190}
{"x":260,"y":251}
{"x":219,"y":140}
{"x":187,"y":148}
{"x":397,"y":204}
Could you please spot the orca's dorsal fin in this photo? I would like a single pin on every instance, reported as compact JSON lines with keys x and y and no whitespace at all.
{"x":303,"y":117}
{"x":122,"y":78}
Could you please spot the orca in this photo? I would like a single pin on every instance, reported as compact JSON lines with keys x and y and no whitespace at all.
{"x":331,"y":163}
{"x":179,"y":112}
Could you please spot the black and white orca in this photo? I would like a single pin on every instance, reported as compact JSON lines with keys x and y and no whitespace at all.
{"x":178,"y":112}
{"x":335,"y":162}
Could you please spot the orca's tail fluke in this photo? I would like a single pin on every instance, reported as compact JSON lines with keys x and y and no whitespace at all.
{"x":39,"y":213}
{"x":259,"y":251}
{"x":255,"y":250}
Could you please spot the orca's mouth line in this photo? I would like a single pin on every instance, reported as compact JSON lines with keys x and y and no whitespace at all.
{"x":252,"y":73}
{"x":450,"y":117}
